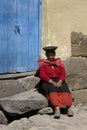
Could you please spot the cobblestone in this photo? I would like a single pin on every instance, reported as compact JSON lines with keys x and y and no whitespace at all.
{"x":47,"y":122}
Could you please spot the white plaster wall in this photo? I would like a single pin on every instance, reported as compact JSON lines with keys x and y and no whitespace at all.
{"x":59,"y":19}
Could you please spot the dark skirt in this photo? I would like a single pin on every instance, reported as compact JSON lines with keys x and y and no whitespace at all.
{"x":57,"y":96}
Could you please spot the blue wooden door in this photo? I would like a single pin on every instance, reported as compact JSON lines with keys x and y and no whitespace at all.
{"x":19,"y":35}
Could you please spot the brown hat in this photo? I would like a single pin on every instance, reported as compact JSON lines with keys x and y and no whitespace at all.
{"x":50,"y":48}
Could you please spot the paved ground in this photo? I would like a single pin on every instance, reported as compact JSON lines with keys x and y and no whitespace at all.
{"x":47,"y":122}
{"x":78,"y":122}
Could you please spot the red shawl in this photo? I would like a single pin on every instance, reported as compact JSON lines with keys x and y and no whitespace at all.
{"x":43,"y":62}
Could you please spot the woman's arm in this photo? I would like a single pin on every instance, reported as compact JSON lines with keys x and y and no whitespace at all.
{"x":43,"y":74}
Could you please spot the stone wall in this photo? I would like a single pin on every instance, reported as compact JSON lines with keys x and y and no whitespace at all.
{"x":76,"y":67}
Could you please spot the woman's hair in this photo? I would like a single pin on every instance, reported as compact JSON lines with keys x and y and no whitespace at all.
{"x":47,"y":52}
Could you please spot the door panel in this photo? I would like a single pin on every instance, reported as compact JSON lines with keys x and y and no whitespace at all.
{"x":33,"y":33}
{"x":22,"y":34}
{"x":7,"y":37}
{"x":19,"y":35}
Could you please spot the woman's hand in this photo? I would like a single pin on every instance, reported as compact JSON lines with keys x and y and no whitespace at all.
{"x":59,"y":83}
{"x":52,"y":82}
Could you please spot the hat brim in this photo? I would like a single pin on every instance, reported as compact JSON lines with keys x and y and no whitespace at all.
{"x":50,"y":48}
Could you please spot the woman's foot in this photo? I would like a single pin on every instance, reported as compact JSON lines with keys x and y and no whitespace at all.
{"x":70,"y":112}
{"x":57,"y":113}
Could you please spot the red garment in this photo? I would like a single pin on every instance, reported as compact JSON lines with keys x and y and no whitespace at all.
{"x":60,"y":99}
{"x":48,"y":70}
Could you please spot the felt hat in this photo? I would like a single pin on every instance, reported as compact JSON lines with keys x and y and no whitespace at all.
{"x":50,"y":48}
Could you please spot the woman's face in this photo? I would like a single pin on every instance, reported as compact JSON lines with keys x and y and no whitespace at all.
{"x":50,"y":56}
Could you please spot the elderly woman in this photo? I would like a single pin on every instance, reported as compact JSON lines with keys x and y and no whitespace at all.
{"x":52,"y":84}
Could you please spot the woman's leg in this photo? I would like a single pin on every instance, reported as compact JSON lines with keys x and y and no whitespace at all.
{"x":57,"y":112}
{"x":70,"y":112}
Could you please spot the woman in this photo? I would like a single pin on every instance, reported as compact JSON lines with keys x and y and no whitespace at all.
{"x":52,"y":84}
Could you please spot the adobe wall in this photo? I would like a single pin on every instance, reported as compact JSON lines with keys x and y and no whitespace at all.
{"x":59,"y":19}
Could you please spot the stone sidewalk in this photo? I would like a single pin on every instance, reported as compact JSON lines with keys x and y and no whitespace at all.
{"x":47,"y":122}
